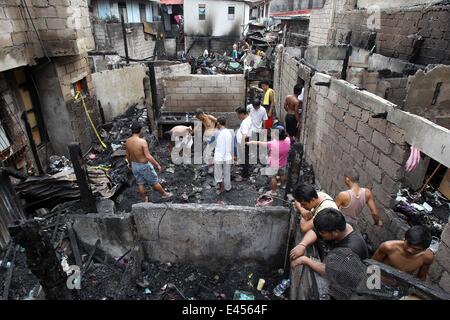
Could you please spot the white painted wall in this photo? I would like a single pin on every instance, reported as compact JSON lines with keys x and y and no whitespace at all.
{"x":216,"y":23}
{"x":128,"y":79}
{"x":384,"y":4}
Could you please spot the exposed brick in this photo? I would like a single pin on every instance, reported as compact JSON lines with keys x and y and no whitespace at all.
{"x":338,"y":113}
{"x":395,"y":133}
{"x":352,"y":137}
{"x":378,"y":124}
{"x":389,"y":185}
{"x":373,"y":170}
{"x":364,"y":130}
{"x":389,"y":166}
{"x":381,"y":142}
{"x":365,"y":147}
{"x":398,"y":154}
{"x":340,"y":128}
{"x":350,"y":121}
{"x":355,"y":111}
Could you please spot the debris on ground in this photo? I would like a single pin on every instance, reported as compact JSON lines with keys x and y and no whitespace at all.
{"x":430,"y":209}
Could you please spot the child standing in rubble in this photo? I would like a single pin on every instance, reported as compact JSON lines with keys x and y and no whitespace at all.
{"x":142,"y":164}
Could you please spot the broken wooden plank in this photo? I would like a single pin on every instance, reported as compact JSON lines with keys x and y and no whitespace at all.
{"x":74,"y":245}
{"x":91,"y":255}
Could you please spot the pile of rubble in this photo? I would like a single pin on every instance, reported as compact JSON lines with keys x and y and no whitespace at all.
{"x":430,"y":209}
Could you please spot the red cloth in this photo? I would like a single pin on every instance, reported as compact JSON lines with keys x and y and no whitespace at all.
{"x":268,"y":123}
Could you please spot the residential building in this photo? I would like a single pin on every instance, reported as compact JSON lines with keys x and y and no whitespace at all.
{"x":43,"y":63}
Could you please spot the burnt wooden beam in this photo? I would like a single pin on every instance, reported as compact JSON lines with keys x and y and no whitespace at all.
{"x":87,"y":198}
{"x":41,"y":259}
{"x":74,"y":246}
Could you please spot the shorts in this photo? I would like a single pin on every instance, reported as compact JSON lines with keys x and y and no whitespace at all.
{"x":144,"y":172}
{"x":273,"y":172}
{"x":291,"y":125}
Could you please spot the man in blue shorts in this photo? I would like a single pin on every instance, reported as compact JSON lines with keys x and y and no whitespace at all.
{"x":142,"y":164}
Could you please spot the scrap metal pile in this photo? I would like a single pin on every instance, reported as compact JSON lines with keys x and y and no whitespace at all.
{"x":255,"y":51}
{"x":430,"y":209}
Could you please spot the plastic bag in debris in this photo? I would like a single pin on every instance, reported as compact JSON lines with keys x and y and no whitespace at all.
{"x":264,"y":201}
{"x":242,"y":295}
{"x":114,"y":146}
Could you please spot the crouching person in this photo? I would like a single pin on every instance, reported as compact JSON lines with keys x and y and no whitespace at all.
{"x":142,"y":164}
{"x":223,"y":156}
{"x":331,"y":226}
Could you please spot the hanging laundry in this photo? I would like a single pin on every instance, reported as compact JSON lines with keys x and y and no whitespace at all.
{"x":414,"y":159}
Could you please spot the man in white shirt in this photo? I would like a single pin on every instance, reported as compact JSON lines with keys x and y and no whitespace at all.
{"x":242,"y":136}
{"x":223,"y":156}
{"x":258,"y":115}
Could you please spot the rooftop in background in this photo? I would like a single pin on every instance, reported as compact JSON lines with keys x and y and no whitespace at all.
{"x":171,"y":2}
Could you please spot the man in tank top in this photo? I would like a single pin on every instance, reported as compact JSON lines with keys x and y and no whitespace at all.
{"x":352,"y":201}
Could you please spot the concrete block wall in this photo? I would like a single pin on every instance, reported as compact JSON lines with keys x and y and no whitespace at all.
{"x":212,"y":93}
{"x":393,"y":90}
{"x":440,"y":269}
{"x":109,"y":36}
{"x":428,"y":95}
{"x":321,"y":21}
{"x":395,"y":37}
{"x":285,"y":78}
{"x":63,"y":26}
{"x":168,"y":70}
{"x":342,"y":134}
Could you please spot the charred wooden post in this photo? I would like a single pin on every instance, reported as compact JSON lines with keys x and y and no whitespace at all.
{"x":41,"y":259}
{"x":87,"y":198}
{"x":149,"y":105}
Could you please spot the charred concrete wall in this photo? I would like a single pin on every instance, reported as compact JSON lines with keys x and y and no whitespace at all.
{"x":428,"y":95}
{"x":62,"y":25}
{"x":206,"y":235}
{"x":217,"y":22}
{"x":212,"y":93}
{"x":109,"y":36}
{"x":419,"y":34}
{"x":212,"y":234}
{"x":128,"y":79}
{"x":197,"y":44}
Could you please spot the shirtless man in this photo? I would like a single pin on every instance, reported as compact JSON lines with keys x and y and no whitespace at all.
{"x":179,"y":136}
{"x":209,"y":123}
{"x":351,"y":202}
{"x":410,"y":255}
{"x":292,"y":106}
{"x":141,"y":164}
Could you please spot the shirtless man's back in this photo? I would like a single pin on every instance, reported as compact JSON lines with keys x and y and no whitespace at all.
{"x":292,"y":106}
{"x":410,"y":258}
{"x":142,"y":164}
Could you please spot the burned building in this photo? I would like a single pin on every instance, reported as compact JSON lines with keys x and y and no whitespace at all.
{"x":217,"y":25}
{"x":43,"y":63}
